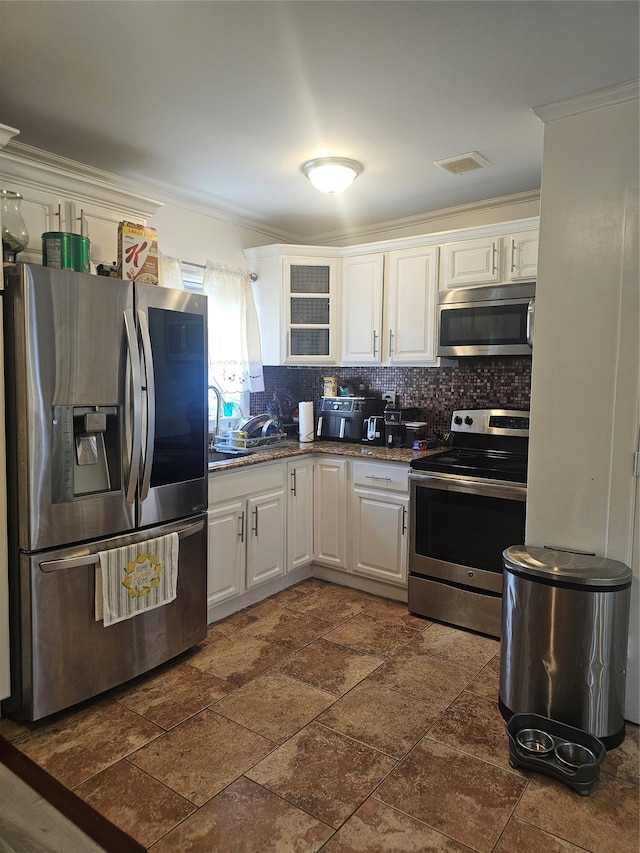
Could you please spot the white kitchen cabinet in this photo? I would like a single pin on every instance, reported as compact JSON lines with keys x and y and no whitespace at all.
{"x":246,"y":529}
{"x":299,"y":513}
{"x":389,"y":307}
{"x":362,"y":292}
{"x":379,"y":516}
{"x":494,"y":259}
{"x":297,"y":302}
{"x":68,"y":207}
{"x":330,"y":512}
{"x":410,"y":306}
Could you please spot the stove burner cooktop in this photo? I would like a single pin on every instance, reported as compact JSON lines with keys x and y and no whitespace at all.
{"x":474,"y":463}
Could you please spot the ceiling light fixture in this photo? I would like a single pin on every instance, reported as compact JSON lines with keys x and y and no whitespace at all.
{"x":331,"y":174}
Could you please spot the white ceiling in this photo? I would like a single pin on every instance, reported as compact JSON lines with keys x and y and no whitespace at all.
{"x":221,"y":102}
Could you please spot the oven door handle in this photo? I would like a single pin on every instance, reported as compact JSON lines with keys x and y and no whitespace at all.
{"x":471,"y":486}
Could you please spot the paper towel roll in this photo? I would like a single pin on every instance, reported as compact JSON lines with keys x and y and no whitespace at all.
{"x":305,"y":417}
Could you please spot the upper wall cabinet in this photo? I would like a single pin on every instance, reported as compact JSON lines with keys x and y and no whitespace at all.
{"x":297,"y":301}
{"x":389,"y":307}
{"x":490,"y":260}
{"x":57,"y":199}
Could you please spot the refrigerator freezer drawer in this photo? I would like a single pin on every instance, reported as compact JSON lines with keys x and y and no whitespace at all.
{"x":64,"y":656}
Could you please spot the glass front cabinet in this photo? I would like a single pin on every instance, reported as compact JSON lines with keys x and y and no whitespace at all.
{"x":310,"y":310}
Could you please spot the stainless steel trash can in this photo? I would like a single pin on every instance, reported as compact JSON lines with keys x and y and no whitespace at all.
{"x":563,"y":654}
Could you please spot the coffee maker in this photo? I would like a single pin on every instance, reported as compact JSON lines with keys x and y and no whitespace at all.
{"x":394,"y":425}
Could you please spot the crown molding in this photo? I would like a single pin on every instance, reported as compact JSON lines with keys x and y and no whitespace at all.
{"x":425,"y":219}
{"x":7,"y":133}
{"x":621,"y":93}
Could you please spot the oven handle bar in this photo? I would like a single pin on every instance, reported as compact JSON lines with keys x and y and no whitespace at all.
{"x":471,"y":486}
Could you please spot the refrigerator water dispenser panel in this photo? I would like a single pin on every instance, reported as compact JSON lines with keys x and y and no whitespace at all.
{"x":86,"y":457}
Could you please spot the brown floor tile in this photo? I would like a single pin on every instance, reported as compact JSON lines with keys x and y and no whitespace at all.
{"x":384,"y":719}
{"x":14,"y":732}
{"x":454,"y":793}
{"x":372,"y":636}
{"x":239,"y":657}
{"x":174,"y":695}
{"x":624,"y":760}
{"x":78,"y":746}
{"x":329,"y":666}
{"x":487,"y":681}
{"x":323,"y":773}
{"x":135,"y":802}
{"x":246,"y":818}
{"x":433,"y":680}
{"x":396,"y":611}
{"x":606,"y":821}
{"x":201,"y":756}
{"x":213,"y":633}
{"x":289,"y":595}
{"x":274,"y":705}
{"x":463,"y":647}
{"x":242,"y":618}
{"x":475,"y":725}
{"x":377,"y":828}
{"x":290,"y":629}
{"x":524,"y":838}
{"x":332,"y":607}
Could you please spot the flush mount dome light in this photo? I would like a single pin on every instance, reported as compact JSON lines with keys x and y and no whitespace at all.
{"x":331,"y":174}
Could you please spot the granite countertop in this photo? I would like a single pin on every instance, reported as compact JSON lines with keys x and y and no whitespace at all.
{"x":399,"y":455}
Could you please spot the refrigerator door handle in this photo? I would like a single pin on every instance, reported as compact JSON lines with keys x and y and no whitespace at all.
{"x":135,"y":390}
{"x":149,"y":384}
{"x":94,"y":559}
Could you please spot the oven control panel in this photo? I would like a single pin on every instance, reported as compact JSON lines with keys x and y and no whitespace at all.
{"x":491,"y":422}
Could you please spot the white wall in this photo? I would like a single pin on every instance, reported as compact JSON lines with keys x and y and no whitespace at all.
{"x":586,"y":366}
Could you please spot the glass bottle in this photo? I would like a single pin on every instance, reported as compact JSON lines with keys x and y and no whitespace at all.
{"x":15,"y":236}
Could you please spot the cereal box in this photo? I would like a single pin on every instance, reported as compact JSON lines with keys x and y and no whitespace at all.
{"x":137,"y":253}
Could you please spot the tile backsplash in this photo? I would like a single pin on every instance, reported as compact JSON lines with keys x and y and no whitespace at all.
{"x":503,"y":382}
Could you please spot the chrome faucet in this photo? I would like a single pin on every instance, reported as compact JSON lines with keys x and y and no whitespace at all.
{"x":216,"y":391}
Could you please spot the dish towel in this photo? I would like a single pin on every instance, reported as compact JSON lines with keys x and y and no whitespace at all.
{"x":136,"y":578}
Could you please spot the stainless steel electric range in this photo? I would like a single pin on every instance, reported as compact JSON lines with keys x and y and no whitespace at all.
{"x":467,"y":505}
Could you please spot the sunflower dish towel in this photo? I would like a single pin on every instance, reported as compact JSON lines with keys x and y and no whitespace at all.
{"x":136,"y":578}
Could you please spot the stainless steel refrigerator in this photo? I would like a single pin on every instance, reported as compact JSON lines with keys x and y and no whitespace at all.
{"x":106,"y":397}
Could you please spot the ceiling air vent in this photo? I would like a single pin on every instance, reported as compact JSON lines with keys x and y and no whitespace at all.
{"x":462,"y":163}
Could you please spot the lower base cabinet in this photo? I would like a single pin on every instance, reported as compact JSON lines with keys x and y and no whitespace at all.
{"x":299,"y":513}
{"x":379,"y":536}
{"x":330,"y":512}
{"x":246,"y":530}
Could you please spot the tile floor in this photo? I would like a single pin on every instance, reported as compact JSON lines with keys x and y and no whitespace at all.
{"x":326,"y":719}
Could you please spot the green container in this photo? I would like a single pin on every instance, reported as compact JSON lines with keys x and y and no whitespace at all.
{"x":65,"y":251}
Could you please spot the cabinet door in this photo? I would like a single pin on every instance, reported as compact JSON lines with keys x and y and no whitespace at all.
{"x":380,"y":535}
{"x":410,"y":306}
{"x":470,"y":262}
{"x":265,"y":537}
{"x":299,"y":514}
{"x":330,"y":512}
{"x":523,"y":257}
{"x":225,"y":567}
{"x":362,"y":309}
{"x":310,"y":286}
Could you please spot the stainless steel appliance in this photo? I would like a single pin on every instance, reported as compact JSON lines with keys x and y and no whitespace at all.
{"x":395,"y":425}
{"x":107,"y":445}
{"x":467,"y":504}
{"x":342,"y":418}
{"x":373,"y":430}
{"x":476,"y":321}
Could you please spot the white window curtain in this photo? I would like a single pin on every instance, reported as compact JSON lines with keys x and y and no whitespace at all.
{"x":170,"y":272}
{"x":235,"y":354}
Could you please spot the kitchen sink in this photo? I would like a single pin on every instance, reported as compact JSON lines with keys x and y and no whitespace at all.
{"x":222,"y":455}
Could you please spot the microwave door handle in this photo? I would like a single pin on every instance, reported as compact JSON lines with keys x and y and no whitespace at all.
{"x":531,"y":313}
{"x":151,"y":403}
{"x":133,"y":404}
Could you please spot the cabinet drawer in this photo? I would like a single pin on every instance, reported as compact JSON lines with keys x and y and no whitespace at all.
{"x":381,"y":475}
{"x":227,"y":485}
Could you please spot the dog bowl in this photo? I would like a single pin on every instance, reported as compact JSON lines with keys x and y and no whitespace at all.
{"x":574,"y":754}
{"x":535,"y":741}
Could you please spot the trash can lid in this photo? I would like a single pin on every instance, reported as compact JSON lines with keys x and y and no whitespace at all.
{"x":565,"y":567}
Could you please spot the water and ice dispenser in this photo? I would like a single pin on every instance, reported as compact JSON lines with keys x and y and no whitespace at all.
{"x":87,"y":454}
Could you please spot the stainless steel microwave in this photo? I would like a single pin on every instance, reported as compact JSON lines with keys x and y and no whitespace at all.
{"x":495,"y":320}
